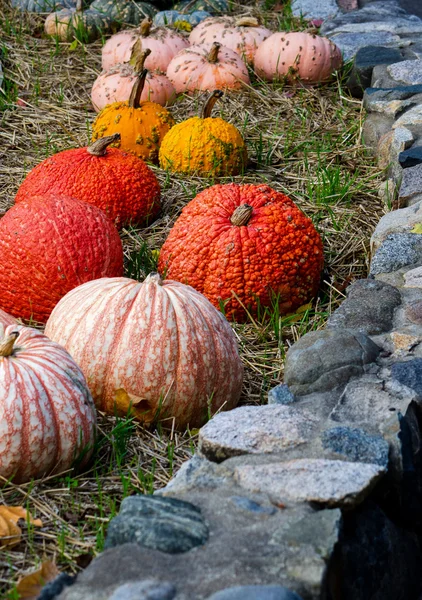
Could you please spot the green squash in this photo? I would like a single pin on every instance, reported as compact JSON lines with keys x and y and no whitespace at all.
{"x":124,"y":11}
{"x":42,"y":6}
{"x":76,"y":23}
{"x":215,"y":7}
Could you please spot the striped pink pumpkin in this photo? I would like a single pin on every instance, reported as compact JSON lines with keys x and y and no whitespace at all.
{"x":47,"y":416}
{"x":158,"y":346}
{"x":6,"y":319}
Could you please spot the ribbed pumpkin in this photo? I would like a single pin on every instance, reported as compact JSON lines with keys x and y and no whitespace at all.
{"x":141,"y":125}
{"x":6,"y":319}
{"x":122,"y":185}
{"x":242,"y":35}
{"x":241,"y":245}
{"x":41,"y":6}
{"x":84,"y":25}
{"x":297,"y":56}
{"x":181,"y":21}
{"x":159,"y":346}
{"x":163,"y":43}
{"x":47,"y":414}
{"x":115,"y":85}
{"x":49,"y":245}
{"x":207,"y":67}
{"x":204,"y":145}
{"x":124,"y":11}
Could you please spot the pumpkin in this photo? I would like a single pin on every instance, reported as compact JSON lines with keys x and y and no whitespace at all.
{"x":241,"y":35}
{"x":204,"y":145}
{"x":122,"y":185}
{"x":49,"y":245}
{"x":158,"y":347}
{"x":163,"y":43}
{"x":84,"y":25}
{"x":116,"y":84}
{"x":6,"y":319}
{"x":207,"y":67}
{"x":124,"y":11}
{"x":212,"y":6}
{"x":141,"y":125}
{"x":180,"y":20}
{"x":47,"y":414}
{"x":296,"y":56}
{"x":244,"y":245}
{"x":42,"y":6}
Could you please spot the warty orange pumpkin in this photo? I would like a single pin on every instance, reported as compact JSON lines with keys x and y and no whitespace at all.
{"x":158,"y":349}
{"x":244,"y":245}
{"x":47,"y":414}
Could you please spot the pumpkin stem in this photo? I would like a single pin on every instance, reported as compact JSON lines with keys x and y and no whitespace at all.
{"x":145,"y":27}
{"x":138,"y":56}
{"x":154,"y":278}
{"x":247,"y":22}
{"x":6,"y":345}
{"x":99,"y":148}
{"x":209,"y":104}
{"x":241,"y":215}
{"x":213,"y":53}
{"x":135,"y":94}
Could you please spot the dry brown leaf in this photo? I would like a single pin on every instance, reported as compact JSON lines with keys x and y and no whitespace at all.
{"x":30,"y":586}
{"x":10,"y":532}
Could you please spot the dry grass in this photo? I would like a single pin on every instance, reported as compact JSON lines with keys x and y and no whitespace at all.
{"x":304,"y":142}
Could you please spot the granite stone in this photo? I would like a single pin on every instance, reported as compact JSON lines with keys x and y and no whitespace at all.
{"x":409,"y":373}
{"x":144,"y":590}
{"x":398,"y":221}
{"x":408,"y":72}
{"x":397,"y":250}
{"x":376,"y":125}
{"x":413,"y":312}
{"x":280,"y":394}
{"x":356,"y":445}
{"x":411,"y":157}
{"x":350,"y":43}
{"x":314,"y":10}
{"x":249,"y":505}
{"x":365,"y":60}
{"x":255,"y":592}
{"x":378,"y":13}
{"x":388,"y":94}
{"x":411,"y":184}
{"x":411,"y":117}
{"x":389,"y":147}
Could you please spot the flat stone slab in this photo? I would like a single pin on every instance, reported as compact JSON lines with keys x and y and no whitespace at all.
{"x":255,"y":430}
{"x":314,"y":10}
{"x":413,"y":116}
{"x":413,"y":278}
{"x":409,"y":373}
{"x":332,"y":483}
{"x":411,"y":157}
{"x":350,"y":43}
{"x":356,"y":445}
{"x":407,"y":71}
{"x":280,"y":394}
{"x":255,"y":592}
{"x":398,"y":250}
{"x":411,"y":184}
{"x":372,"y":13}
{"x":144,"y":590}
{"x":402,"y":220}
{"x":401,"y":92}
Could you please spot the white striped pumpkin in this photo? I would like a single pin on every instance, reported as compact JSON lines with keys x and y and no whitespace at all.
{"x":158,"y":348}
{"x":47,"y":416}
{"x":6,"y":319}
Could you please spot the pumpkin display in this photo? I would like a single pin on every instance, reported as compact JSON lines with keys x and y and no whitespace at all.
{"x":241,"y":245}
{"x":141,"y":125}
{"x":180,"y":20}
{"x":214,"y":7}
{"x":85,"y":25}
{"x":115,"y":85}
{"x":122,"y":185}
{"x":163,"y":43}
{"x":207,"y":67}
{"x":158,"y":348}
{"x":242,"y":35}
{"x":42,"y":6}
{"x":124,"y":11}
{"x":6,"y":319}
{"x":47,"y":414}
{"x":204,"y":145}
{"x":49,"y":245}
{"x":297,"y":56}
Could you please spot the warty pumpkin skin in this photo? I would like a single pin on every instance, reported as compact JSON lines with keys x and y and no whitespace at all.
{"x":124,"y":11}
{"x":158,"y":345}
{"x":84,"y":25}
{"x":49,"y":245}
{"x":204,"y":145}
{"x":241,"y":244}
{"x":141,"y":125}
{"x":122,"y":185}
{"x":47,"y":416}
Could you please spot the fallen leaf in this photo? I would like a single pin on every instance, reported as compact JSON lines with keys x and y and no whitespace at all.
{"x":30,"y":586}
{"x":10,"y":532}
{"x":417,"y":228}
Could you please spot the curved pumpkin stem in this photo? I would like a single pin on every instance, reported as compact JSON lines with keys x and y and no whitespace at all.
{"x":247,"y":22}
{"x":154,"y":278}
{"x":6,"y":345}
{"x":99,"y":148}
{"x":145,"y":27}
{"x":135,"y":94}
{"x":213,"y":53}
{"x":138,"y":56}
{"x":209,"y":104}
{"x":241,"y":215}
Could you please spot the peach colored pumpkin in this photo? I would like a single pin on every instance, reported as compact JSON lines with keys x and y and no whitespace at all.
{"x":115,"y":85}
{"x":241,"y":35}
{"x":47,"y":416}
{"x":159,"y":347}
{"x":163,"y":43}
{"x":297,"y":55}
{"x":207,"y":67}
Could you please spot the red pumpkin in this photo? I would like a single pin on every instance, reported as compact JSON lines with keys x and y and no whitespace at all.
{"x":244,"y":245}
{"x":47,"y":414}
{"x":48,"y":246}
{"x":121,"y":184}
{"x":158,"y":346}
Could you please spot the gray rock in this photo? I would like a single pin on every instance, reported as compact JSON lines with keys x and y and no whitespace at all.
{"x":53,"y":588}
{"x":413,"y":278}
{"x":255,"y":429}
{"x":251,"y":506}
{"x":408,"y":72}
{"x":144,"y":590}
{"x":409,"y":373}
{"x":356,"y":445}
{"x":255,"y":592}
{"x":331,"y":483}
{"x":412,"y":117}
{"x":365,"y":60}
{"x":165,"y":524}
{"x":397,"y":250}
{"x":280,"y":394}
{"x":196,"y":473}
{"x":411,"y":184}
{"x":397,"y":221}
{"x":350,"y":43}
{"x":379,"y":12}
{"x":414,"y":312}
{"x":374,"y":128}
{"x":402,"y":92}
{"x":411,"y":157}
{"x":322,"y":360}
{"x":311,"y":10}
{"x":369,"y":307}
{"x":389,"y":147}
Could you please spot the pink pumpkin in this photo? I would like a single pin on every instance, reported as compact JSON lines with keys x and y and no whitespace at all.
{"x":241,"y":35}
{"x":163,"y":43}
{"x":115,"y":85}
{"x":296,"y":56}
{"x":209,"y":68}
{"x":6,"y":319}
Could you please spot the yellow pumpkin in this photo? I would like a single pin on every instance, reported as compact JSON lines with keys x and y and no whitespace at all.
{"x":204,"y":145}
{"x":142,"y":125}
